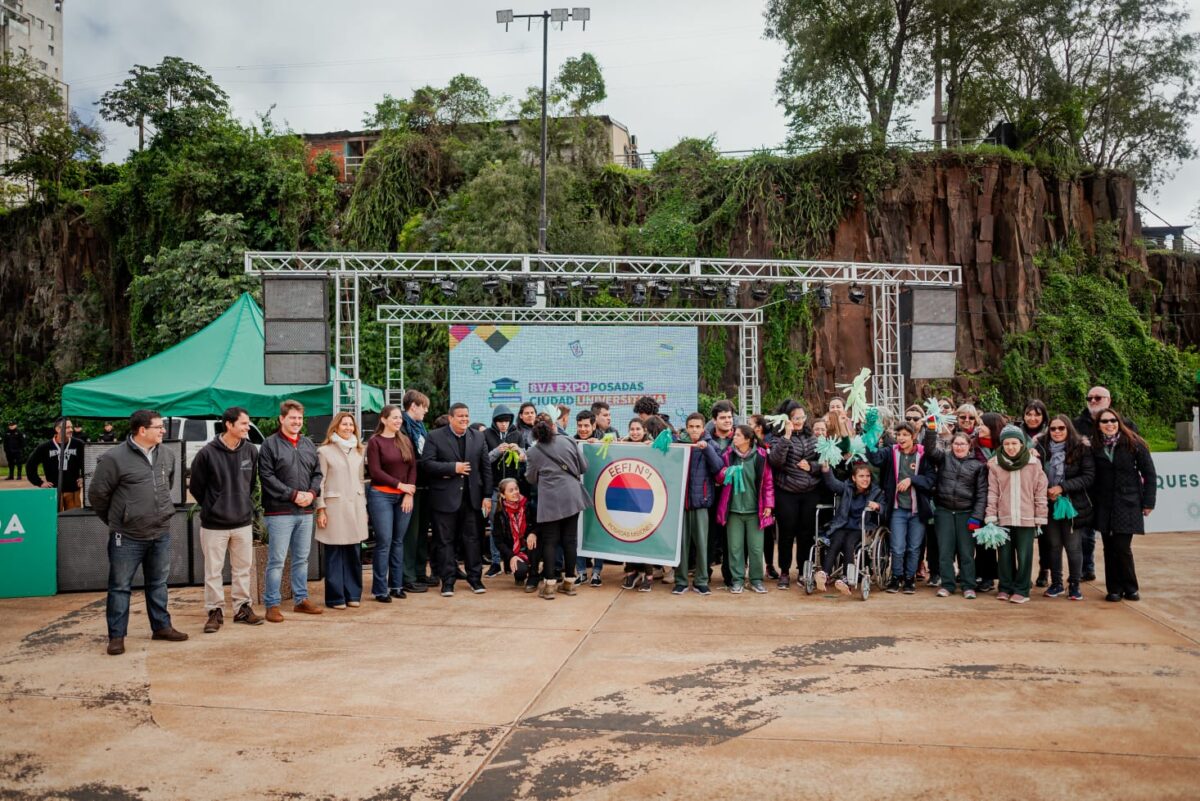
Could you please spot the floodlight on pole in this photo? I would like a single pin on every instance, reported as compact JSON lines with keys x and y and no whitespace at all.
{"x":559,"y":15}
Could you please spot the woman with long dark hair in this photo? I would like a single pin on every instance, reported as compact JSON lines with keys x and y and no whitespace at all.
{"x":767,"y":436}
{"x":986,"y":439}
{"x":793,"y":460}
{"x":1070,"y":471}
{"x":392,"y":468}
{"x":556,"y":467}
{"x":1124,"y":494}
{"x":747,"y":507}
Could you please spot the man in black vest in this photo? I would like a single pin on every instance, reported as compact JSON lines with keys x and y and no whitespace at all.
{"x":455,"y":462}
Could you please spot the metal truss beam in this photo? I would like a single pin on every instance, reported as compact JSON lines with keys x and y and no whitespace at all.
{"x":566,"y":315}
{"x":541,"y":266}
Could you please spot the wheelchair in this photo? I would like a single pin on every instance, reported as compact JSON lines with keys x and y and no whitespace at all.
{"x":872,"y":558}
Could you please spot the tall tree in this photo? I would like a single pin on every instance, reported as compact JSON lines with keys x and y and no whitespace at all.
{"x":42,"y":137}
{"x":434,"y":109}
{"x":1111,"y":82}
{"x":171,"y":97}
{"x":849,"y":63}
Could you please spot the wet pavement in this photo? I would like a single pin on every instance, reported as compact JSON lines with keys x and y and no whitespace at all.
{"x":613,"y":694}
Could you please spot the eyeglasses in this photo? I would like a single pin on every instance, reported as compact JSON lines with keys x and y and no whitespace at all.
{"x":1058,"y":428}
{"x":1107,"y":421}
{"x":1097,"y":397}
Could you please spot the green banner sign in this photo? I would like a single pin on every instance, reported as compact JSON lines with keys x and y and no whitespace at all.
{"x":637,"y":497}
{"x":28,"y":543}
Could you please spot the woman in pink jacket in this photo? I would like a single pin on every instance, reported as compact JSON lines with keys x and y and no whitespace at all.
{"x":747,"y":506}
{"x":1017,"y":501}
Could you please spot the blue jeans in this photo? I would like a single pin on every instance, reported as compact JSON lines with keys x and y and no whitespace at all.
{"x":283,"y":531}
{"x":124,"y":556}
{"x":908,"y":535}
{"x":390,"y":524}
{"x":582,"y":563}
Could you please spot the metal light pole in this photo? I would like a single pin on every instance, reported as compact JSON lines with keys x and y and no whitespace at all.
{"x":559,"y":15}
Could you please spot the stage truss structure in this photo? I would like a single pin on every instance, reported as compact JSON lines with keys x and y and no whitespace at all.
{"x":351,"y":273}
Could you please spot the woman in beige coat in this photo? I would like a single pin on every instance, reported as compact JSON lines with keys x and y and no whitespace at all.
{"x":342,"y":511}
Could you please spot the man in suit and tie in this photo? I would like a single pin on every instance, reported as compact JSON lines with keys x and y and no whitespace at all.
{"x":455,"y":462}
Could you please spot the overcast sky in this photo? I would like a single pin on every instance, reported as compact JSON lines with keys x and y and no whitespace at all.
{"x":673,"y":68}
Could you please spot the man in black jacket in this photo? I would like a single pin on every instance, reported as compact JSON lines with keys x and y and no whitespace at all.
{"x":45,"y":459}
{"x":291,"y":481}
{"x":455,"y":461}
{"x":14,"y":450}
{"x":131,"y":494}
{"x":223,"y":476}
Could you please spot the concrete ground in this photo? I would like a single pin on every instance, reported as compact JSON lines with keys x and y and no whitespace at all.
{"x":615,"y":694}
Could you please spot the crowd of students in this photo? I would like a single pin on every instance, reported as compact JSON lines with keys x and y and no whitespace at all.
{"x":445,"y":501}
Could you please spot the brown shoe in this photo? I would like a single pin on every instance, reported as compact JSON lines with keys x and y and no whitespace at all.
{"x":274,"y":615}
{"x":116,"y":646}
{"x":170,"y":634}
{"x":215,"y":618}
{"x":245,"y":614}
{"x":307,"y":607}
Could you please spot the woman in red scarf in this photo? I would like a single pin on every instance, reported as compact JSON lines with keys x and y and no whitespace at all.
{"x":512,"y":531}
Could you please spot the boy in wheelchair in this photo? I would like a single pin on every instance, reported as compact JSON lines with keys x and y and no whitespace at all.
{"x":857,"y":495}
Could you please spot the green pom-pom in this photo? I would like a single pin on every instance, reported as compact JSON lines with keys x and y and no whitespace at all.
{"x":512,"y":459}
{"x":858,"y":449}
{"x":736,"y":478}
{"x":828,"y":451}
{"x":1064,"y":509}
{"x":663,"y":441}
{"x":991,"y":536}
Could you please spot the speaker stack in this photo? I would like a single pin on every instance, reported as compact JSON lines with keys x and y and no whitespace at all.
{"x":295,"y":330}
{"x":928,"y":332}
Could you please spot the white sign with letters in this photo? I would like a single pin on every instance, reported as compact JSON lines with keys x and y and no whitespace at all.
{"x":1178,"y":505}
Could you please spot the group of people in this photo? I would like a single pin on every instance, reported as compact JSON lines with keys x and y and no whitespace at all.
{"x":443,"y":501}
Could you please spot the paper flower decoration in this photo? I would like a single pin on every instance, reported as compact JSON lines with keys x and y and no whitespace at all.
{"x":1064,"y":509}
{"x":858,"y":449}
{"x":933,"y":411}
{"x":872,"y":427}
{"x":663,"y":441}
{"x":735,"y":477}
{"x":776,"y":421}
{"x":605,"y":441}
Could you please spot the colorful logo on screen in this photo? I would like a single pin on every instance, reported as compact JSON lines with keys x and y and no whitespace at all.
{"x":630,"y":500}
{"x":504,"y":390}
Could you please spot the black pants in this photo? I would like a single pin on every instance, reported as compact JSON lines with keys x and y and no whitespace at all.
{"x":843,"y":541}
{"x":986,"y":569}
{"x":14,"y":463}
{"x":553,"y":534}
{"x":1056,"y":535}
{"x":932,"y":554}
{"x":462,"y":525}
{"x":769,"y":536}
{"x":1119,"y":575}
{"x":795,"y":513}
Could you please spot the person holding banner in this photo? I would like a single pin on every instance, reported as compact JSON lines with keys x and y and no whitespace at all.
{"x":556,"y":467}
{"x":704,"y":466}
{"x":1125,"y":491}
{"x":1070,"y":471}
{"x":747,"y":507}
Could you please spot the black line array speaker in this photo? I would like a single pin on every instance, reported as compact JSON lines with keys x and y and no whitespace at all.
{"x":928,"y":332}
{"x":295,"y":330}
{"x":83,"y":552}
{"x":92,"y":451}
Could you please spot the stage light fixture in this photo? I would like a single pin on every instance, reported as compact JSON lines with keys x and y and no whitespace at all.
{"x":617,"y":288}
{"x":448,"y":286}
{"x":731,"y":295}
{"x":639,"y":294}
{"x":857,"y":294}
{"x":687,"y":291}
{"x":531,"y":294}
{"x":379,"y":291}
{"x":559,"y":291}
{"x":824,"y":297}
{"x":759,"y":291}
{"x":412,"y":293}
{"x":794,"y":292}
{"x":708,"y":290}
{"x":590,"y":289}
{"x":491,"y":284}
{"x":662,"y":290}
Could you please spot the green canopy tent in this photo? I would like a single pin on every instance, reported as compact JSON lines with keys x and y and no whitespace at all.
{"x":217,"y":367}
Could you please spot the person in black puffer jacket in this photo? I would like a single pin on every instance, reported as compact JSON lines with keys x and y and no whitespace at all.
{"x":1124,"y":494}
{"x":793,"y":460}
{"x":960,"y":497}
{"x":1071,"y":470}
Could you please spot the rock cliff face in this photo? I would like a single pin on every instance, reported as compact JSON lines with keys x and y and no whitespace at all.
{"x":991,"y":217}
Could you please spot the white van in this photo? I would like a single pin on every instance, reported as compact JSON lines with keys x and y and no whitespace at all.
{"x":196,"y":433}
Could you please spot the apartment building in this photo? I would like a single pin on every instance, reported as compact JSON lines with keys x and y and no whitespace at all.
{"x":34,"y":28}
